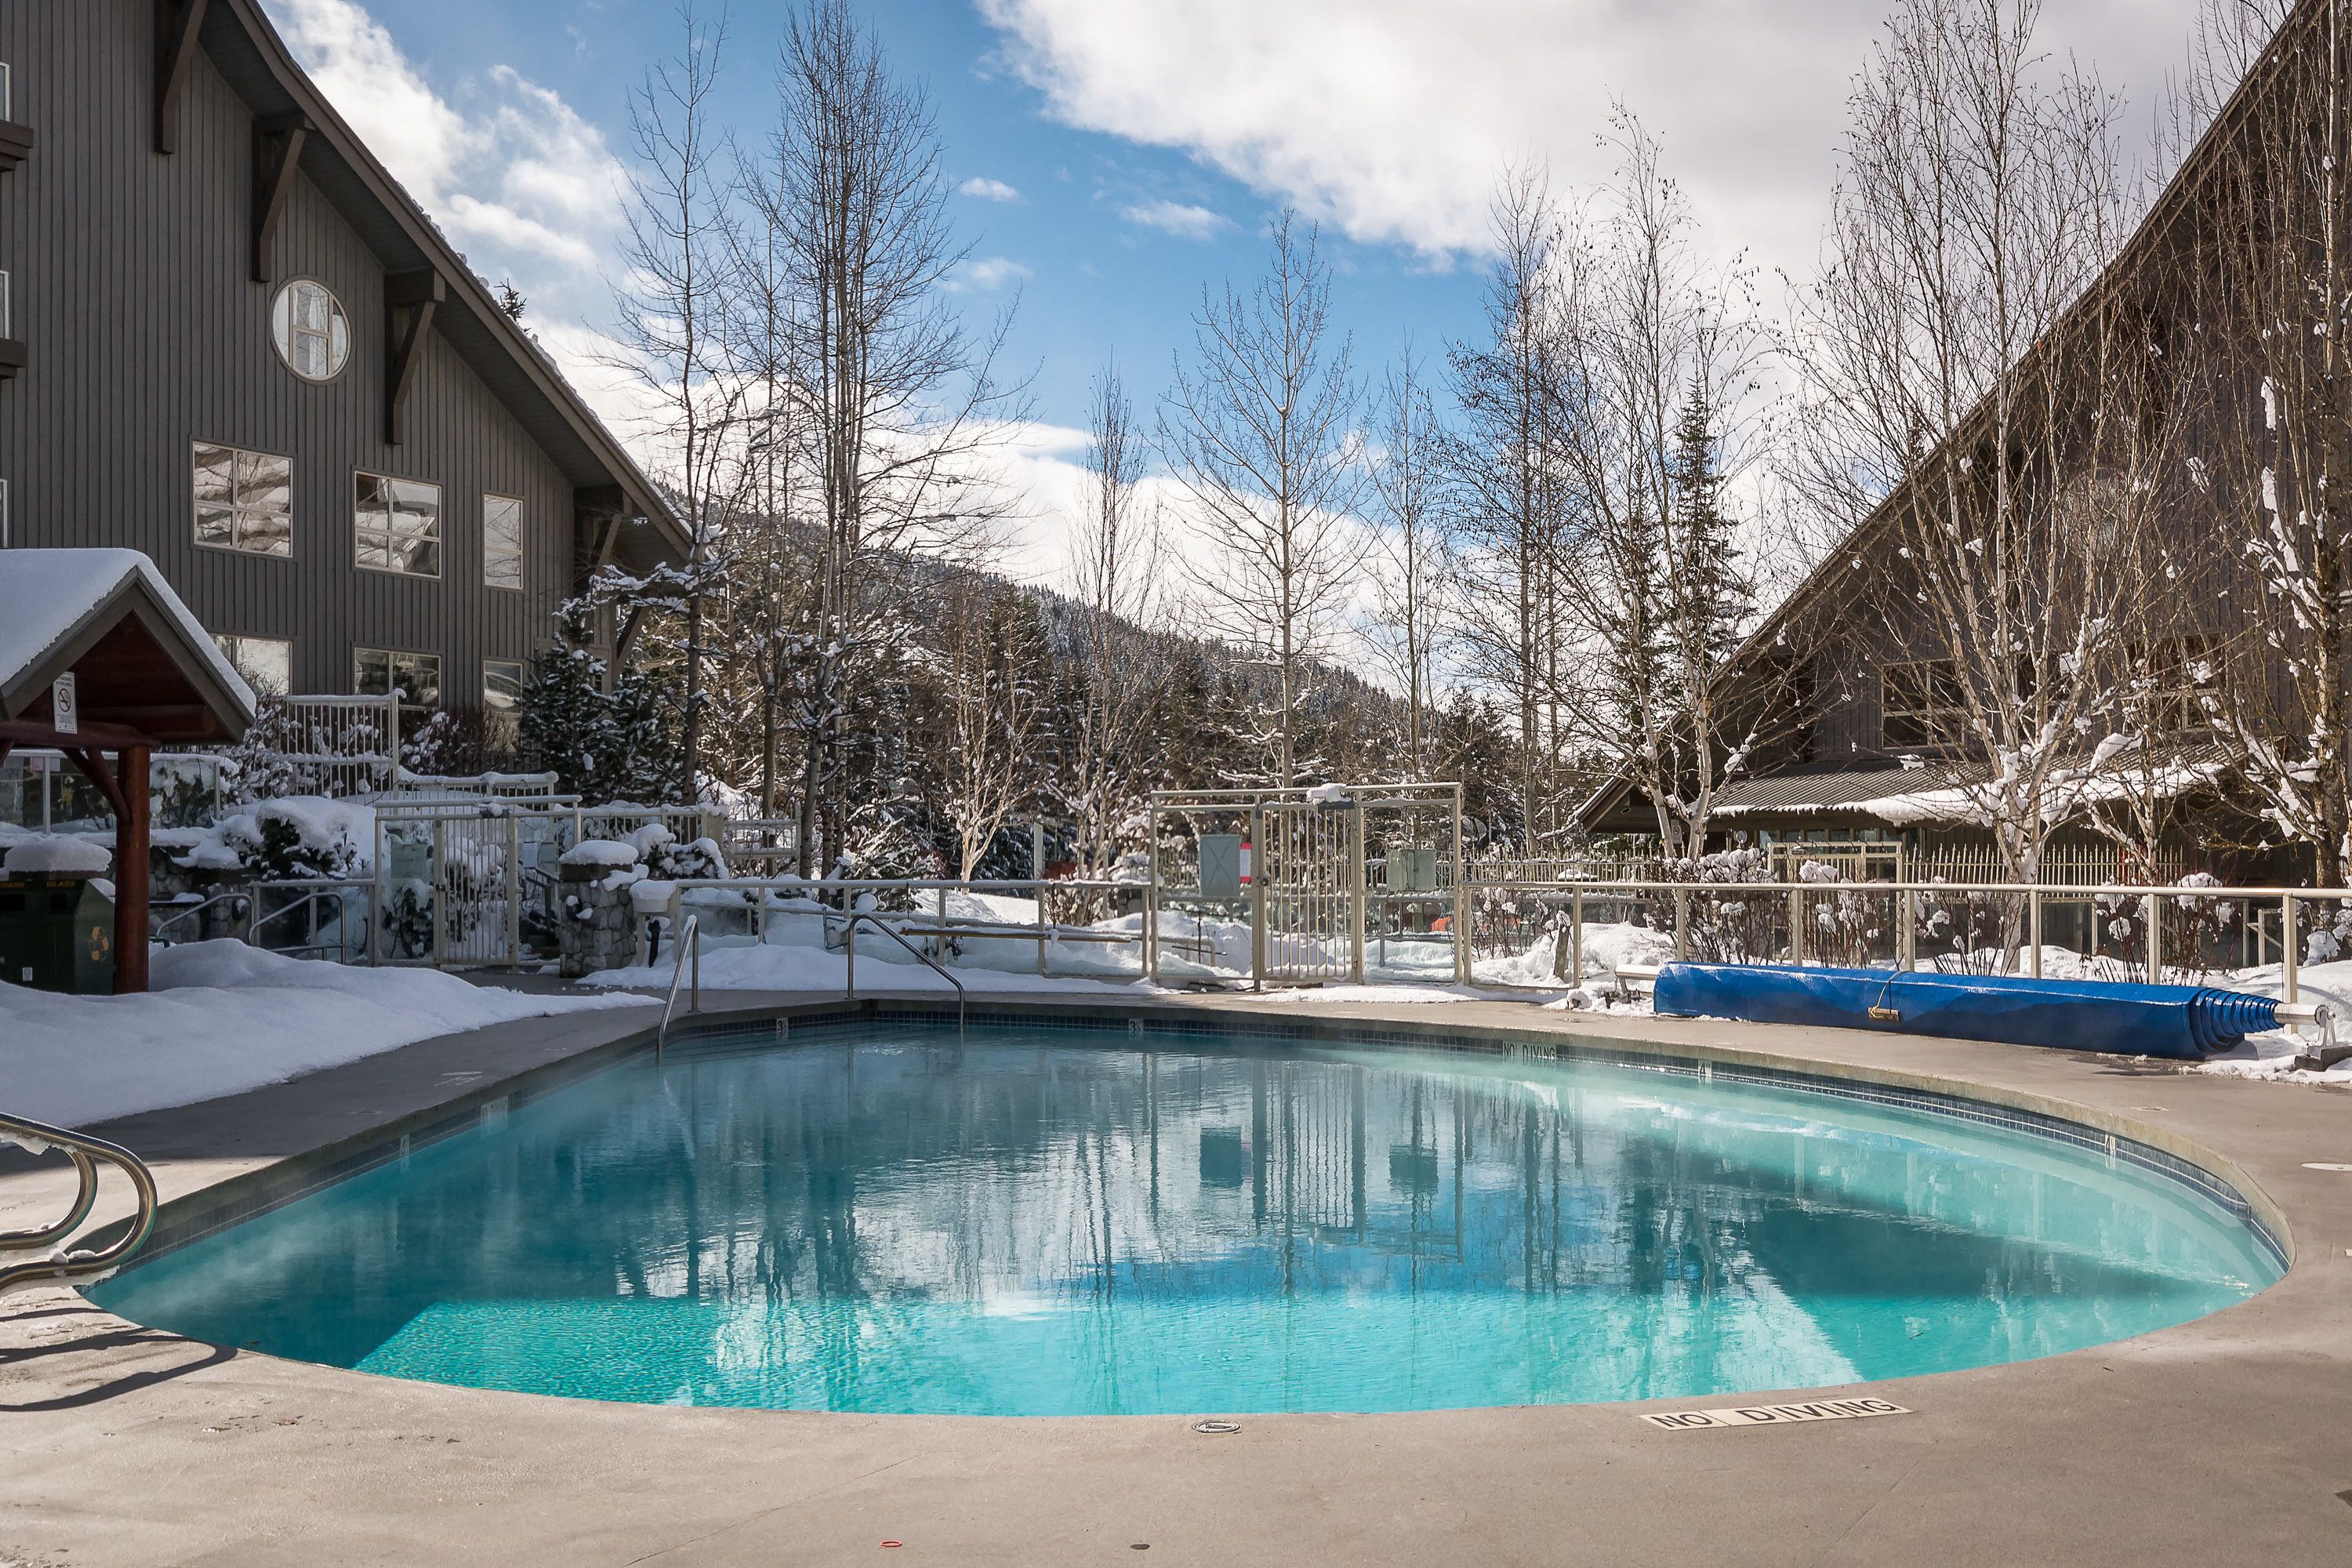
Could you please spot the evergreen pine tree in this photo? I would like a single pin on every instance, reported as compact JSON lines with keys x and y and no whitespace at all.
{"x":1711,"y":601}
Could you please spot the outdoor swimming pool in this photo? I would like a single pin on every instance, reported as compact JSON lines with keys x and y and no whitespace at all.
{"x":1054,"y":1221}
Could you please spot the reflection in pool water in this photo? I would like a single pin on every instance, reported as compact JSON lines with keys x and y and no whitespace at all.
{"x":1063,"y":1223}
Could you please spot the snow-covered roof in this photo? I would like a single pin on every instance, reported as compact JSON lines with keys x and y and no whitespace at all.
{"x":55,"y":601}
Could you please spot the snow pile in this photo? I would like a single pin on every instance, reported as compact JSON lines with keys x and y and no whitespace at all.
{"x":601,"y":852}
{"x":1607,"y":947}
{"x":2272,"y":1055}
{"x":49,"y":856}
{"x":225,"y":1018}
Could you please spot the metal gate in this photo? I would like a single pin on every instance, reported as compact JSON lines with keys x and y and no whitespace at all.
{"x":1309,"y":915}
{"x":466,"y":884}
{"x":1335,"y":883}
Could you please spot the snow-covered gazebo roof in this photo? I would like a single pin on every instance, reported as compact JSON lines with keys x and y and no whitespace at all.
{"x":145,"y":670}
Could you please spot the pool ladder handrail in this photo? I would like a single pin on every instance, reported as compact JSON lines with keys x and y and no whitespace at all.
{"x":689,"y":953}
{"x":61,"y":1265}
{"x":849,"y":944}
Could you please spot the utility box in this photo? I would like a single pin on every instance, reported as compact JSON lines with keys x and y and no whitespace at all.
{"x":1223,"y":866}
{"x":1412,"y":870}
{"x":57,"y":933}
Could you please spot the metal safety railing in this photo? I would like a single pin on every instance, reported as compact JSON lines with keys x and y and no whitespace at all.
{"x":2123,"y":931}
{"x":849,"y":944}
{"x":61,"y":1264}
{"x":689,"y":954}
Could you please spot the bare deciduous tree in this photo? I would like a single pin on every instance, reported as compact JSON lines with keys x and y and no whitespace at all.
{"x":1516,"y":521}
{"x":1118,"y":560}
{"x":671,"y":315}
{"x":1954,"y":397}
{"x":1408,"y":483}
{"x":901,"y":405}
{"x":2270,"y":274}
{"x":1257,"y":430}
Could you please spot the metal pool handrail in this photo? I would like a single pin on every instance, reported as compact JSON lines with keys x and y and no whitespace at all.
{"x":688,"y":952}
{"x":60,"y":1266}
{"x":868,"y":917}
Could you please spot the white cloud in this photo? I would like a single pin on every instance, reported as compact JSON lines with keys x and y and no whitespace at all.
{"x":988,"y":190}
{"x":1391,"y":118}
{"x":516,"y":177}
{"x":985,"y":275}
{"x":1184,"y":221}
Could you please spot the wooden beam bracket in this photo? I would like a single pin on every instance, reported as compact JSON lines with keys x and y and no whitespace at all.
{"x":177,"y":23}
{"x":409,"y":301}
{"x":277,"y":148}
{"x":16,"y":145}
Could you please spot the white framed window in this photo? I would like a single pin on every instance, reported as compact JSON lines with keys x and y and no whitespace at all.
{"x":502,"y":681}
{"x":267,"y":663}
{"x":383,"y":671}
{"x":398,"y":523}
{"x":312,"y":335}
{"x":502,"y":541}
{"x":243,"y":501}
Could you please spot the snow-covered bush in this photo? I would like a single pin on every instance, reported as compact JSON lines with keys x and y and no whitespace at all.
{"x":301,"y":836}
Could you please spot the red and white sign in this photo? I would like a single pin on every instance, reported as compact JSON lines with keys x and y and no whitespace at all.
{"x":64,"y":708}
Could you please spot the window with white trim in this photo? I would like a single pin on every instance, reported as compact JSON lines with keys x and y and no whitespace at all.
{"x":312,"y":335}
{"x":502,"y":541}
{"x":382,"y":671}
{"x":243,"y":501}
{"x":398,"y":523}
{"x":267,"y":663}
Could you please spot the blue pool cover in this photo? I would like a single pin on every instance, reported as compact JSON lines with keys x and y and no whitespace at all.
{"x":2184,"y":1021}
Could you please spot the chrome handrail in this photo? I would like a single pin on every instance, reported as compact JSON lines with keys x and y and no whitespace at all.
{"x":868,"y":917}
{"x":59,"y":1265}
{"x":688,"y":951}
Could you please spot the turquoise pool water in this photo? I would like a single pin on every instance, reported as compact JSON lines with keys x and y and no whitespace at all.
{"x":1060,"y":1223}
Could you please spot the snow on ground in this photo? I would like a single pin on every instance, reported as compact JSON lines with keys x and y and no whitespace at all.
{"x":794,"y":957}
{"x":223,"y":1018}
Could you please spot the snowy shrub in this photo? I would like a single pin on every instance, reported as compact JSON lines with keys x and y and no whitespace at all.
{"x":296,"y":839}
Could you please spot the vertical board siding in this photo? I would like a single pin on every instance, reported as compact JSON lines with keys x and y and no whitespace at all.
{"x":145,"y":332}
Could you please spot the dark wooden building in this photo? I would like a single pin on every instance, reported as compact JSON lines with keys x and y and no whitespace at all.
{"x":1861,"y":700}
{"x":232,"y":341}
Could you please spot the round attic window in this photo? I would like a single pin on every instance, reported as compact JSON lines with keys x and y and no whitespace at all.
{"x":313,"y":335}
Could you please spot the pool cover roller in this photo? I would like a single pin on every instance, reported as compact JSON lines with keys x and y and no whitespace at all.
{"x":2187,"y":1022}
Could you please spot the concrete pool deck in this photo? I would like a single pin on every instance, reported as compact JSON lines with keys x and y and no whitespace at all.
{"x":2227,"y":1440}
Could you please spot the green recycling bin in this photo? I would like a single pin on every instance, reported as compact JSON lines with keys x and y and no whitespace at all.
{"x":57,"y":933}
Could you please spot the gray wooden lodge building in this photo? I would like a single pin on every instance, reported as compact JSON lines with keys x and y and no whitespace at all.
{"x":230,"y":340}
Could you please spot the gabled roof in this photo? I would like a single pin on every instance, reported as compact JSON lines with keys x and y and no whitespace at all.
{"x":144,"y":665}
{"x":246,"y":48}
{"x":2172,"y":204}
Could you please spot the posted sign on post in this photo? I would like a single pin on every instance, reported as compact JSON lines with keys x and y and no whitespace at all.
{"x":64,"y":708}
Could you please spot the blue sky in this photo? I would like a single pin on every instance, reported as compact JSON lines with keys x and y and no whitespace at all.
{"x":1148,"y":140}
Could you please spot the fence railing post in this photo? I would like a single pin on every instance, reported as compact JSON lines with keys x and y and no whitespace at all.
{"x":1576,"y":938}
{"x":2034,"y":930}
{"x":2155,"y":940}
{"x":2291,"y":947}
{"x":1907,"y":946}
{"x":1796,"y":925}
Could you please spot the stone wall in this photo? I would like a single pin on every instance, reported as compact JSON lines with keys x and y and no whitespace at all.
{"x":599,"y":926}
